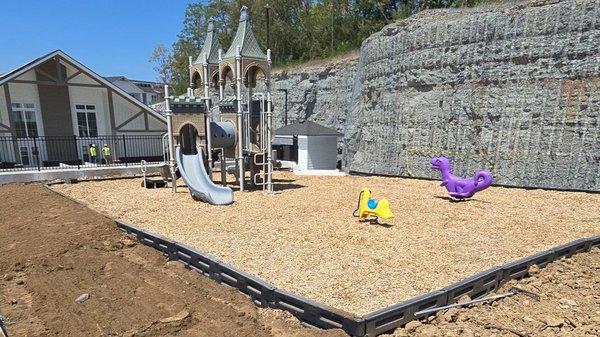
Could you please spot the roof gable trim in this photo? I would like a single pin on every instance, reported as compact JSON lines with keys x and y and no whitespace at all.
{"x":62,"y":55}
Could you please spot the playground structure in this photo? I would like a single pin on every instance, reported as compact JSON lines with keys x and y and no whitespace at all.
{"x":236,"y":130}
{"x":460,"y":188}
{"x":368,"y":207}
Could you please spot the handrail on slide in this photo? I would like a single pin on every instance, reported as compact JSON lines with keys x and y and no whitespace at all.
{"x":199,"y":182}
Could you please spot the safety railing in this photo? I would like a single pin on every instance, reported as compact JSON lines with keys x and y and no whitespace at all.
{"x":62,"y":152}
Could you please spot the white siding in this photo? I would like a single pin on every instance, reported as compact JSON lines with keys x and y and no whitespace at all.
{"x":322,"y":152}
{"x":302,"y":153}
{"x":125,"y":110}
{"x":93,"y":96}
{"x":28,"y":76}
{"x":156,"y":124}
{"x":81,"y":78}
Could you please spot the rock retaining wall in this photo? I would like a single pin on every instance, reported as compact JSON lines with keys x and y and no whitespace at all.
{"x":514,"y":89}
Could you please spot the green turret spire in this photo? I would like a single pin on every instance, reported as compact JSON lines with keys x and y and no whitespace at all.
{"x":211,"y":46}
{"x":244,"y":37}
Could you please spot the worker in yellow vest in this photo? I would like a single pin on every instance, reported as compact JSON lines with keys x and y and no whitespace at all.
{"x":93,"y":152}
{"x":106,"y":154}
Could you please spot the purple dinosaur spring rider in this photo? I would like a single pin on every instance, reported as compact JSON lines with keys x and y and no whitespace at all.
{"x":460,"y":188}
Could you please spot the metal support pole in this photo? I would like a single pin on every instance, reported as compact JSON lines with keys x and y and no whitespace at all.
{"x":191,"y":75}
{"x":268,"y":24}
{"x":36,"y":154}
{"x":223,"y":168}
{"x":208,"y":118}
{"x":269,"y":128}
{"x":169,"y":115}
{"x":125,"y":149}
{"x":248,"y":114}
{"x":240,"y":128}
{"x":221,"y":80}
{"x":77,"y":152}
{"x":144,"y":165}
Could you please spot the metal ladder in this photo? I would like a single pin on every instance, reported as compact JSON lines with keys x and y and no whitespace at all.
{"x":262,"y":136}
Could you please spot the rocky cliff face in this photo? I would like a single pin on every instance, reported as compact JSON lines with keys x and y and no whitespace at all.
{"x":514,"y":89}
{"x":319,"y":93}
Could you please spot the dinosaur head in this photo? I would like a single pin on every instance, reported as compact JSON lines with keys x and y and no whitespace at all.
{"x":440,"y":164}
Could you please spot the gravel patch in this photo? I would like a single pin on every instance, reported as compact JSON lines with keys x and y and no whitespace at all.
{"x":305,"y":240}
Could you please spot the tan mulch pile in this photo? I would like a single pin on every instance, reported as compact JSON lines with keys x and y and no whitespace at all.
{"x":305,"y":240}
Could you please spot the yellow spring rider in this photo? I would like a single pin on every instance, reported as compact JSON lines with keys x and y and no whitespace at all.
{"x":370,"y":207}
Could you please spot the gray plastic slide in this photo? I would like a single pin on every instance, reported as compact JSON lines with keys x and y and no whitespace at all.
{"x":198,"y":182}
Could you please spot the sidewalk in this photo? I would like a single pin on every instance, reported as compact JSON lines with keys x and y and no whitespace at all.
{"x":83,"y":173}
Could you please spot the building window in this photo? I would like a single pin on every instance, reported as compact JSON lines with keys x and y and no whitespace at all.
{"x":86,"y":120}
{"x":24,"y":119}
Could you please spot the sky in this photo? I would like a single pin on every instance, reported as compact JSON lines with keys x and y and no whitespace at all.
{"x":111,"y":37}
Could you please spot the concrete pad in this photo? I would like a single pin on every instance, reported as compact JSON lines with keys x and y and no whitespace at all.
{"x":84,"y":173}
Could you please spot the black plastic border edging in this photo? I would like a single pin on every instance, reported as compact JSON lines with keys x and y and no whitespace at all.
{"x":320,"y":316}
{"x":262,"y":293}
{"x":476,"y":286}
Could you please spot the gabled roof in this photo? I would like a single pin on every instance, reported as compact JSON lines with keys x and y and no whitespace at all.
{"x":128,"y":87}
{"x":115,"y":78}
{"x":306,"y":128}
{"x":31,"y":65}
{"x":211,"y":46}
{"x":244,"y":37}
{"x":17,"y":72}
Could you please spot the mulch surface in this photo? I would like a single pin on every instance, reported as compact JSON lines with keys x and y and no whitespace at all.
{"x":54,"y":250}
{"x":306,"y":241}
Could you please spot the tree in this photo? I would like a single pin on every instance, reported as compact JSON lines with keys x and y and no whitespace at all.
{"x":301,"y":30}
{"x":162,"y":59}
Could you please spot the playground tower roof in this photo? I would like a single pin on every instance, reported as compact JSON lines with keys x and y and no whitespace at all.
{"x":211,"y":46}
{"x":244,"y":38}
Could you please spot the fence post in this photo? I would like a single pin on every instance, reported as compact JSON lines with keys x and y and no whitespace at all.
{"x":76,"y":152}
{"x":125,"y":150}
{"x":36,"y":153}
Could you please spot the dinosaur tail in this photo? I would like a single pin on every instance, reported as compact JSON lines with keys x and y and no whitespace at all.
{"x":483,"y":179}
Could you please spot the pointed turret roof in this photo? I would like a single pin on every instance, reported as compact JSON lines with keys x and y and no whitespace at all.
{"x":244,"y":37}
{"x":211,"y":46}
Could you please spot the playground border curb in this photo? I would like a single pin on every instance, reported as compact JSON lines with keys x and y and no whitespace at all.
{"x":320,"y":316}
{"x":262,"y":293}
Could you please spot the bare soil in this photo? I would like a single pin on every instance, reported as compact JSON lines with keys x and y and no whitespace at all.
{"x":305,"y":239}
{"x":569,"y":306}
{"x":54,"y":250}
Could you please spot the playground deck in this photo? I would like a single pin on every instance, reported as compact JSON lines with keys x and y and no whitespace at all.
{"x":306,"y":241}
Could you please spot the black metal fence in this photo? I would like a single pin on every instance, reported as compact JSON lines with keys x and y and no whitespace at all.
{"x":60,"y":152}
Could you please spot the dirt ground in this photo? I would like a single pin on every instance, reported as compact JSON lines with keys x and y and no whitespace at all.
{"x":54,"y":250}
{"x":569,"y":306}
{"x":305,"y":239}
